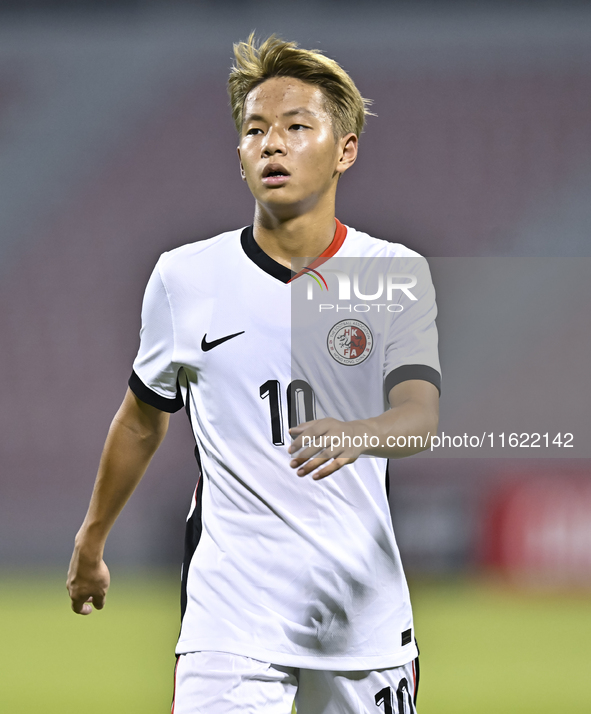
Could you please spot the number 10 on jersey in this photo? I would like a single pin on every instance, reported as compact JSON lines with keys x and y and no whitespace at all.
{"x":301,"y":406}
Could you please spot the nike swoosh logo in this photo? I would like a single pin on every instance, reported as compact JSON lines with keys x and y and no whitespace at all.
{"x":206,"y":346}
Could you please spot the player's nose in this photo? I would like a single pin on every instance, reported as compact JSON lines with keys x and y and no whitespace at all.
{"x":273,"y":143}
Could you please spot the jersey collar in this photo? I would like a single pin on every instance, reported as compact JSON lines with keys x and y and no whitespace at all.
{"x":275,"y":269}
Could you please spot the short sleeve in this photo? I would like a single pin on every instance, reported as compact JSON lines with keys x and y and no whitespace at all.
{"x":411,"y":341}
{"x":154,"y":379}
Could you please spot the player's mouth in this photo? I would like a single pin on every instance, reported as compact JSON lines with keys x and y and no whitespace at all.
{"x":275,"y":175}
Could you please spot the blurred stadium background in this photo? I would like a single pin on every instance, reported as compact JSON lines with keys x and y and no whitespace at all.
{"x":116,"y":143}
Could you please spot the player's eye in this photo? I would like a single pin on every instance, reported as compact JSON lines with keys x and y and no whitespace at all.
{"x":297,"y":127}
{"x":253,"y":131}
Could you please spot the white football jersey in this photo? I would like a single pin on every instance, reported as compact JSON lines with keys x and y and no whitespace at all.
{"x":280,"y":568}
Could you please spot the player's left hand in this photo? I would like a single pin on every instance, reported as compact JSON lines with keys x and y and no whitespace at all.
{"x":335,"y":441}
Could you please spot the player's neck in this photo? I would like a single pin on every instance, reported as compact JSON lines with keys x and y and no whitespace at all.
{"x":306,"y":235}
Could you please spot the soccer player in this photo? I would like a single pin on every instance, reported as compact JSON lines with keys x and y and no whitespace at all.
{"x":292,"y":585}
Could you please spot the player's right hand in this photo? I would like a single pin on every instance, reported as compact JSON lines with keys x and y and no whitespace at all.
{"x":87,"y":583}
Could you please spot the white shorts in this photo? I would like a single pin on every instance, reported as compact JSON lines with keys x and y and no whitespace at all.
{"x":220,"y":683}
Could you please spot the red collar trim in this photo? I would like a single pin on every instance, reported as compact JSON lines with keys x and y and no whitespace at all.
{"x":339,"y":238}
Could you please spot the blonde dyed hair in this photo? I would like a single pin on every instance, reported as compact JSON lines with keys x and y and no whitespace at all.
{"x":277,"y":58}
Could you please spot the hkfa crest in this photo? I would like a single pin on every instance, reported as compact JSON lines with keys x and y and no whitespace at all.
{"x":350,"y":342}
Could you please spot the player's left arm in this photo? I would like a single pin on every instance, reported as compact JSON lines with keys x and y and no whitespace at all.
{"x":414,"y":412}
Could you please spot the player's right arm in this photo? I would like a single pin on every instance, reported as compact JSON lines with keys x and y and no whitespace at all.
{"x":135,"y":433}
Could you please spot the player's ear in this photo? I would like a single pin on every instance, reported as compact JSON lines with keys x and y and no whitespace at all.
{"x":348,"y":145}
{"x":242,"y":172}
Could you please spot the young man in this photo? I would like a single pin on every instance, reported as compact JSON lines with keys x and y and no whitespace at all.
{"x":292,"y":582}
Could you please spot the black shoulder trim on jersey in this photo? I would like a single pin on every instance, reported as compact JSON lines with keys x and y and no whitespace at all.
{"x":412,"y":371}
{"x":264,"y":261}
{"x":149,"y":396}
